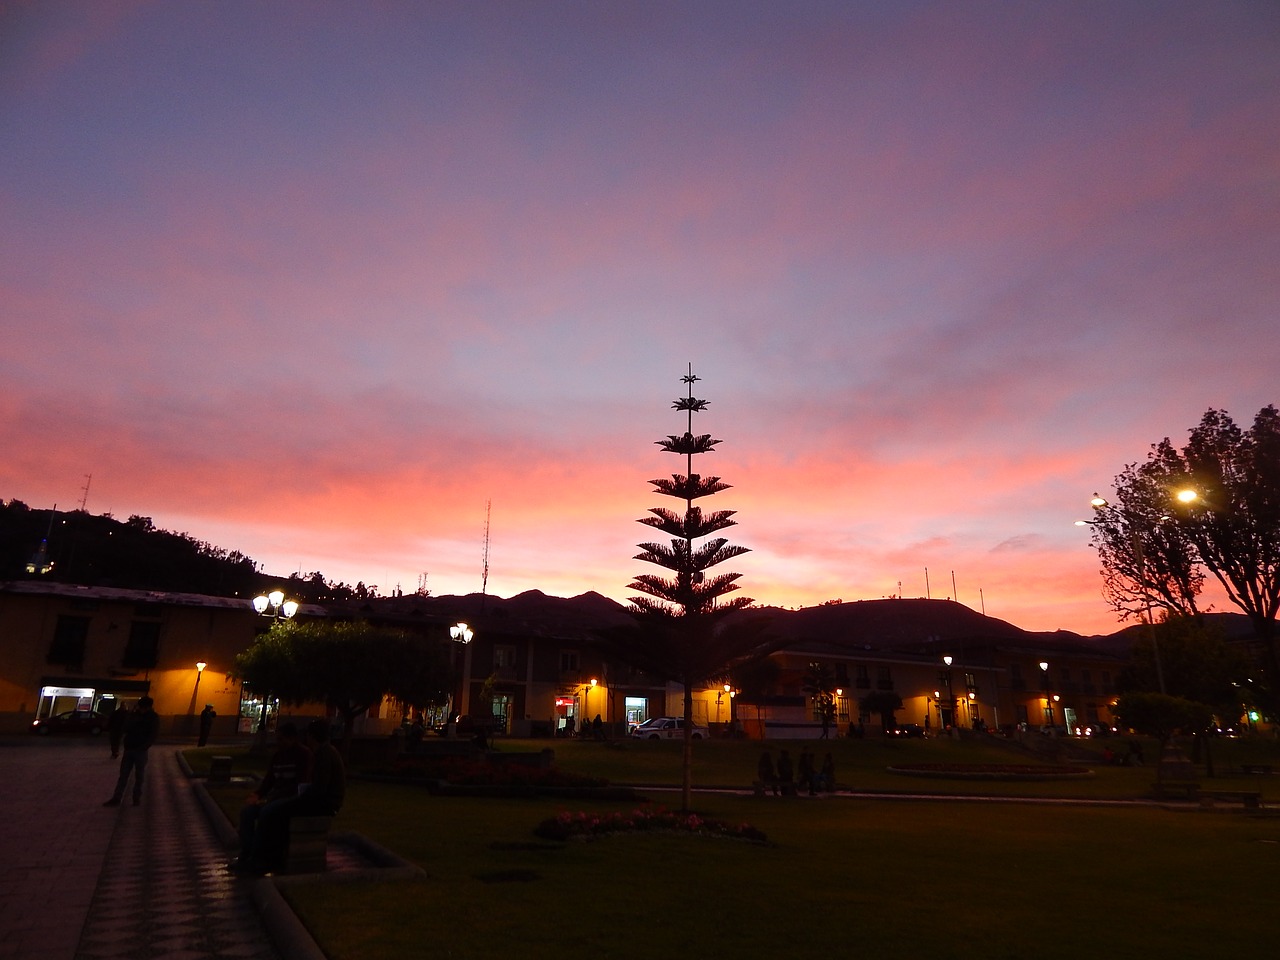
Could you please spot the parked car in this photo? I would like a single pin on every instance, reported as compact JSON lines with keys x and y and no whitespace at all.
{"x":907,"y":730}
{"x":666,"y":728}
{"x":72,"y":722}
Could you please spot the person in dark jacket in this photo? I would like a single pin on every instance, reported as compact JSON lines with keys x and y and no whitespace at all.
{"x":322,"y":796}
{"x":115,"y":728}
{"x":207,"y":716}
{"x":289,"y":767}
{"x":140,"y":732}
{"x":785,"y":771}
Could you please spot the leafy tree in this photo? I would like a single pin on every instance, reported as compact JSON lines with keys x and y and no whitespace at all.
{"x":820,"y":684}
{"x":348,"y":666}
{"x":883,"y":702}
{"x":1196,"y":663}
{"x":1161,"y":716}
{"x":1212,"y":506}
{"x":681,"y":633}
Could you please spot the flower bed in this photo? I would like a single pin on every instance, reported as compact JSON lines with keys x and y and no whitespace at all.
{"x":592,"y":826}
{"x":991,"y":771}
{"x":476,"y":773}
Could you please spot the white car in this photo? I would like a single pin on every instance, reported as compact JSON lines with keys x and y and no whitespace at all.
{"x":666,"y":728}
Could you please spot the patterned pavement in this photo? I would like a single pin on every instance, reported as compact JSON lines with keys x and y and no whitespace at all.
{"x":84,"y":882}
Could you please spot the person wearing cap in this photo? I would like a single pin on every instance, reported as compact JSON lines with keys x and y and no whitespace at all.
{"x":140,"y":732}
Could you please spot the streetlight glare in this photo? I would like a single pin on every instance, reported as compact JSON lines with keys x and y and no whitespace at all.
{"x":1187,"y":496}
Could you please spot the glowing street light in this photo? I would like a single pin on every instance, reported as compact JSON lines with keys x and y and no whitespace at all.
{"x":275,"y":606}
{"x":463,"y":634}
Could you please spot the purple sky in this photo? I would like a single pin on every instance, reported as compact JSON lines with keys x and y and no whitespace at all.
{"x":316,"y":281}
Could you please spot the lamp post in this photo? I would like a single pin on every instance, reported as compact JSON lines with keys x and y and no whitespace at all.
{"x":275,"y":606}
{"x":200,"y":665}
{"x":1044,"y":687}
{"x":948,"y":719}
{"x":463,"y":634}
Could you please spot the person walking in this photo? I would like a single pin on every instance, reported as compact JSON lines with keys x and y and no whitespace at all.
{"x":206,"y":723}
{"x":139,"y":734}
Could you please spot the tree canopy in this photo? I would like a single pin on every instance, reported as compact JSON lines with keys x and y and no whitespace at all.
{"x":1210,"y":508}
{"x":349,"y":667}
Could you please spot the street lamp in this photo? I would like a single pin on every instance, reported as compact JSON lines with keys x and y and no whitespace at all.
{"x":1044,"y":686}
{"x":279,"y":607}
{"x":200,"y":665}
{"x":463,"y":634}
{"x":948,"y":718}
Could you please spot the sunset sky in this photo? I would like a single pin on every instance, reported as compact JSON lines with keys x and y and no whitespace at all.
{"x":317,"y":281}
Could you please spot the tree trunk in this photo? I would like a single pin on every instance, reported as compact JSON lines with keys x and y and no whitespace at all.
{"x":686,"y":784}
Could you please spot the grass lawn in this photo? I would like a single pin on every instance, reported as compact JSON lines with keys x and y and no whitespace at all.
{"x":870,"y":878}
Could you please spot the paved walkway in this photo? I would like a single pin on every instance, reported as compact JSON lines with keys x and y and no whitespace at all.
{"x":84,"y":882}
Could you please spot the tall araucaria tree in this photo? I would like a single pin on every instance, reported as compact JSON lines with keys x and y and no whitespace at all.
{"x":683,"y":637}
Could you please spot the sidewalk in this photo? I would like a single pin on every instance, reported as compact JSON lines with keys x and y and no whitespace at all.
{"x":84,"y":882}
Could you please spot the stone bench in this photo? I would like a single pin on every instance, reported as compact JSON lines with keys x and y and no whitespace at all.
{"x":1250,"y":799}
{"x":308,"y":844}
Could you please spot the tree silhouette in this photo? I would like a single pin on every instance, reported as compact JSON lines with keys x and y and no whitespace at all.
{"x":682,"y":635}
{"x":349,"y":667}
{"x":1155,"y":543}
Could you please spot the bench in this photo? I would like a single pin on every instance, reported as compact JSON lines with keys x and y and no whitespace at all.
{"x":308,"y":844}
{"x":1251,"y":799}
{"x":1163,"y":789}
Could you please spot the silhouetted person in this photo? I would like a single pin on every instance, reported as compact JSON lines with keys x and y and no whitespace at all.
{"x":828,"y":774}
{"x":115,"y":728}
{"x":206,"y":724}
{"x":289,"y":766}
{"x":597,"y":728}
{"x":785,"y":772}
{"x":322,"y":797}
{"x":140,"y":732}
{"x":765,"y":771}
{"x":805,"y":772}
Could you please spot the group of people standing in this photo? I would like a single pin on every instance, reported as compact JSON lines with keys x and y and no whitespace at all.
{"x":804,"y":776}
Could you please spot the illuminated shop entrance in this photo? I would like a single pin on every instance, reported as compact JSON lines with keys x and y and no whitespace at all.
{"x":637,"y":710}
{"x":104,"y":696}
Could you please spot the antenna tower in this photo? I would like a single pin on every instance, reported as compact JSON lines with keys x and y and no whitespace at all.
{"x":484,"y":578}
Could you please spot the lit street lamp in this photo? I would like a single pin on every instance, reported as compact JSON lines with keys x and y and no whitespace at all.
{"x":463,"y":634}
{"x":275,"y":606}
{"x":1044,"y":686}
{"x":948,"y":718}
{"x":200,"y":665}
